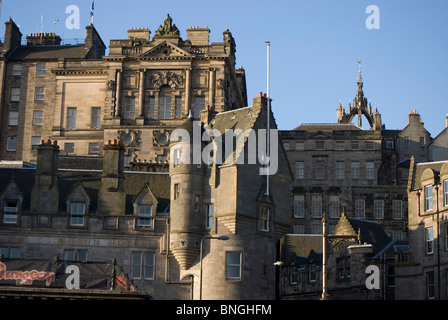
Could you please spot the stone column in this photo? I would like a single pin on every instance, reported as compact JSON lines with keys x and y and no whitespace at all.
{"x":211,"y":93}
{"x":141,"y":92}
{"x":187,"y":90}
{"x":118,"y":94}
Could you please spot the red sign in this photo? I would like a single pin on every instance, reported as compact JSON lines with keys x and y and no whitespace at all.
{"x":26,"y":277}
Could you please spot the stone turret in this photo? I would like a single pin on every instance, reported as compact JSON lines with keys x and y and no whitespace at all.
{"x":45,"y":193}
{"x":187,"y":176}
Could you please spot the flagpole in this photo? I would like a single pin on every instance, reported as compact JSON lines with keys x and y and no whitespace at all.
{"x":268,"y":152}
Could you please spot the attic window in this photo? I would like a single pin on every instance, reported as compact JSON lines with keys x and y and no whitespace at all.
{"x":144,"y":216}
{"x":10,"y":210}
{"x":77,"y":212}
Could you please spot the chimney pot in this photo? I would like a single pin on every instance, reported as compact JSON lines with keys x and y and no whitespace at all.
{"x":55,"y":142}
{"x":260,"y":94}
{"x":48,"y":141}
{"x":108,"y":142}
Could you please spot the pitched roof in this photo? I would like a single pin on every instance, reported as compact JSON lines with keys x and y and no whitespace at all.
{"x":159,"y":183}
{"x":419,"y":168}
{"x":49,"y":52}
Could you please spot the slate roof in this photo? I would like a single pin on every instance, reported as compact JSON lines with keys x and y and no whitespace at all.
{"x":159,"y":183}
{"x":419,"y":168}
{"x":302,"y":244}
{"x":49,"y":52}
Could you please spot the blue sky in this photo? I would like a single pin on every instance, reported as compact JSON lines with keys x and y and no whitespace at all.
{"x":314,"y":48}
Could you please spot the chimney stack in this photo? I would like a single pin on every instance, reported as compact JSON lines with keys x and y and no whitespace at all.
{"x":45,"y":193}
{"x":111,"y":197}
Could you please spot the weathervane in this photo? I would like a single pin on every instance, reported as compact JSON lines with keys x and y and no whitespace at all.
{"x":359,"y":62}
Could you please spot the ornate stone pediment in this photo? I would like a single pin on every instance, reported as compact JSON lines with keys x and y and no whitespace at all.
{"x":165,"y":50}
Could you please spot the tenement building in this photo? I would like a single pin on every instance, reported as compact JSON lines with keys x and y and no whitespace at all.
{"x":138,"y":93}
{"x":341,"y":165}
{"x":423,"y":274}
{"x":208,"y":229}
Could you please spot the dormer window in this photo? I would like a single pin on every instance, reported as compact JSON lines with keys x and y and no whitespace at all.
{"x":145,"y":207}
{"x":10,"y":211}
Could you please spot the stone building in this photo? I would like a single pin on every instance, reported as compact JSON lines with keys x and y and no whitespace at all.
{"x":423,"y":273}
{"x":354,"y":245}
{"x":138,"y":93}
{"x":164,"y":226}
{"x":340,"y":165}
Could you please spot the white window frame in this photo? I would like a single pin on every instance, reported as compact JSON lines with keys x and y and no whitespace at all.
{"x":41,"y":70}
{"x":77,"y":216}
{"x":35,"y":142}
{"x":17,"y":69}
{"x":13,"y":118}
{"x":299,"y":206}
{"x":15,"y":94}
{"x":378,"y":209}
{"x":39,"y":94}
{"x":428,"y":198}
{"x":340,"y":170}
{"x":316,"y":206}
{"x":360,"y":208}
{"x":300,"y":170}
{"x":233,"y":265}
{"x":38,"y":117}
{"x":397,"y":209}
{"x":333,"y":206}
{"x":10,"y":213}
{"x":354,"y":168}
{"x":144,"y":216}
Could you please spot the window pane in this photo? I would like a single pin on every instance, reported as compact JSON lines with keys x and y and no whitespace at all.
{"x":129,"y":111}
{"x":69,"y":148}
{"x":233,"y":265}
{"x":37,"y":118}
{"x":428,"y":198}
{"x":40,"y":70}
{"x":12,"y":143}
{"x":149,"y":266}
{"x":95,"y":118}
{"x":198,"y":106}
{"x":164,"y":107}
{"x":136,"y":265}
{"x":13,"y":118}
{"x":15,"y":94}
{"x":39,"y":94}
{"x":35,"y":141}
{"x":299,"y":206}
{"x":178,"y":108}
{"x":300,"y":170}
{"x":71,"y":118}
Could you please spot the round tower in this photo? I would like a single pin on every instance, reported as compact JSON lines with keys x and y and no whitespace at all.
{"x":186,"y":173}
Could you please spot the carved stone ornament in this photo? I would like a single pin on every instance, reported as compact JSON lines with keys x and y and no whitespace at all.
{"x":168,"y":28}
{"x":130,"y":138}
{"x":161,"y":138}
{"x":111,"y":85}
{"x":167,"y":78}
